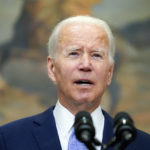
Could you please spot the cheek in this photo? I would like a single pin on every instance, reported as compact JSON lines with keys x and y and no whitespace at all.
{"x":63,"y":72}
{"x":102,"y":74}
{"x":101,"y":70}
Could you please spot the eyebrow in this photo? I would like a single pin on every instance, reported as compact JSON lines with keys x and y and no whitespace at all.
{"x":100,"y":51}
{"x":70,"y":49}
{"x":73,"y":48}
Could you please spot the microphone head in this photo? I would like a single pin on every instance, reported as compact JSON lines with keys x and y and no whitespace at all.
{"x":124,"y":127}
{"x":122,"y":115}
{"x":83,"y":126}
{"x":84,"y":116}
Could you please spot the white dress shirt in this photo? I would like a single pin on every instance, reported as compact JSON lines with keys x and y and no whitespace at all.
{"x":65,"y":119}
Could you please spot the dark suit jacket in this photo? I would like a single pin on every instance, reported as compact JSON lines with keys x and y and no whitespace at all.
{"x":39,"y":133}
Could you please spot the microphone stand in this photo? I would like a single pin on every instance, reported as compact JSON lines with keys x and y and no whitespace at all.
{"x":91,"y":145}
{"x":117,"y":144}
{"x":124,"y":131}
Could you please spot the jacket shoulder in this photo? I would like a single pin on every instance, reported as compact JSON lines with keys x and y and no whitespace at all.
{"x":142,"y":141}
{"x":19,"y":134}
{"x":143,"y":136}
{"x":25,"y":123}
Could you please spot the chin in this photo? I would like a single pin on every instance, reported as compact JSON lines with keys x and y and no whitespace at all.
{"x":84,"y":99}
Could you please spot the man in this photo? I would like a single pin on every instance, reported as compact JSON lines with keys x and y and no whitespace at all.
{"x":80,"y":62}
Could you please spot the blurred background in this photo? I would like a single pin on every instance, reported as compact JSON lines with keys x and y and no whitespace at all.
{"x":25,"y":26}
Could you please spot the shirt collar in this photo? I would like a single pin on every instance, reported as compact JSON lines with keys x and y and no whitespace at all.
{"x":64,"y":119}
{"x":98,"y":121}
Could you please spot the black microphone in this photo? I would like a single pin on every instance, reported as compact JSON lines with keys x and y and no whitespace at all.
{"x":84,"y":129}
{"x":124,"y":130}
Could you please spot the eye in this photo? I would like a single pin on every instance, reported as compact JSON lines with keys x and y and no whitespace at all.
{"x":73,"y":53}
{"x":98,"y":56}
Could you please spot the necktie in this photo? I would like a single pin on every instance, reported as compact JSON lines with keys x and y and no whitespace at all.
{"x":74,"y":144}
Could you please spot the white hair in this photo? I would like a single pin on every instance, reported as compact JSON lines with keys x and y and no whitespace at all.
{"x":53,"y":40}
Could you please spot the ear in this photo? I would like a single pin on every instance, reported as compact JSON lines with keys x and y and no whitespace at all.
{"x":110,"y":74}
{"x":51,"y":68}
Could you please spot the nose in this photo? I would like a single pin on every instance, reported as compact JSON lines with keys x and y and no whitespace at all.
{"x":85,"y":63}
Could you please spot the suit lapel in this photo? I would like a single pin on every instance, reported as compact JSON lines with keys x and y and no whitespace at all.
{"x":46,"y":135}
{"x":108,"y":132}
{"x":108,"y":128}
{"x":45,"y":131}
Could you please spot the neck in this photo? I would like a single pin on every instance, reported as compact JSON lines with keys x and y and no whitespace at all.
{"x":75,"y":107}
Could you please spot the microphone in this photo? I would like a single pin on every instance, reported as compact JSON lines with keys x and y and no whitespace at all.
{"x":124,"y":130}
{"x":84,"y":129}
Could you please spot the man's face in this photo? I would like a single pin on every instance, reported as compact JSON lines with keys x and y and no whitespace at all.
{"x":81,"y":69}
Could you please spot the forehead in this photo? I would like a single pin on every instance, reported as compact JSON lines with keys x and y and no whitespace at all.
{"x":82,"y":31}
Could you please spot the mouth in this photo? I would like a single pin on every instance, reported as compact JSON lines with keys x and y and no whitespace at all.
{"x":84,"y":82}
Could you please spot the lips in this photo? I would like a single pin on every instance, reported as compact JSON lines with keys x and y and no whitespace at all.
{"x":83,"y":82}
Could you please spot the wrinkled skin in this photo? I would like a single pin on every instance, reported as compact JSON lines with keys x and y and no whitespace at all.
{"x":81,"y":69}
